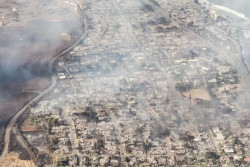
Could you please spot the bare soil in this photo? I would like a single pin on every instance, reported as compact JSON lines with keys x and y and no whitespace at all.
{"x":200,"y":93}
{"x":15,"y":147}
{"x":12,"y":160}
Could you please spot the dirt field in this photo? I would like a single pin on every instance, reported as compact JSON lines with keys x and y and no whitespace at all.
{"x":200,"y":93}
{"x":12,"y":160}
{"x":17,"y":148}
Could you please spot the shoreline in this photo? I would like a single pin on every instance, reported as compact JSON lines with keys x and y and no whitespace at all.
{"x":228,"y":10}
{"x":243,"y":57}
{"x":240,"y":41}
{"x":240,"y":15}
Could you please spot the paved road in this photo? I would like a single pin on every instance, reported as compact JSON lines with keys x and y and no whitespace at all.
{"x":23,"y":143}
{"x":20,"y":112}
{"x":232,"y":58}
{"x":72,"y":135}
{"x":42,"y":94}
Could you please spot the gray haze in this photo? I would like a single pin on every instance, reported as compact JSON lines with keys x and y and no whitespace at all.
{"x":33,"y":44}
{"x":238,"y":5}
{"x":29,"y":44}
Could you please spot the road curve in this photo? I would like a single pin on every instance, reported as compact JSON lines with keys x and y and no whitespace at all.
{"x":42,"y":94}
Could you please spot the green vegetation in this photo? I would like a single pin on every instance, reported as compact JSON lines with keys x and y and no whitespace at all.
{"x":99,"y":145}
{"x":211,"y":155}
{"x":52,"y":122}
{"x":90,"y":114}
{"x":63,"y":161}
{"x":183,"y":87}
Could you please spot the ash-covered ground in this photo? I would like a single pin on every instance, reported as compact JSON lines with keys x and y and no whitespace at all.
{"x":32,"y":33}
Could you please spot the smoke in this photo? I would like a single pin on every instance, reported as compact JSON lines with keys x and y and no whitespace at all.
{"x":238,"y":5}
{"x":32,"y":33}
{"x":25,"y":50}
{"x":132,"y":78}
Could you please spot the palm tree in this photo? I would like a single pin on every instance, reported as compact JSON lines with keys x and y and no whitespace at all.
{"x":127,"y":160}
{"x":147,"y":146}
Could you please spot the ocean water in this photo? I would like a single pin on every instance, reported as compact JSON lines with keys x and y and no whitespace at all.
{"x":241,"y":6}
